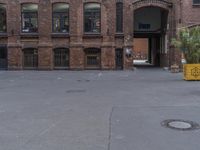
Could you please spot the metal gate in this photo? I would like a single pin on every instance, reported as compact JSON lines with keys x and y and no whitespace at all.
{"x":119,"y":58}
{"x":93,"y":58}
{"x":61,"y":58}
{"x":30,"y":58}
{"x":3,"y":57}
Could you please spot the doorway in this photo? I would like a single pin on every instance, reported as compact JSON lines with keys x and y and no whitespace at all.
{"x":150,"y":36}
{"x":119,"y":59}
{"x":3,"y":58}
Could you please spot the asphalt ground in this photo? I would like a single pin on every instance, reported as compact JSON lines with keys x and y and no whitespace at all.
{"x":96,"y":110}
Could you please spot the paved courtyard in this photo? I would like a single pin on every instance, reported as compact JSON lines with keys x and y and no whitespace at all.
{"x":96,"y":110}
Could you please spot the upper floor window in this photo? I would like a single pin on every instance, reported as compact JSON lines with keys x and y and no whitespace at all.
{"x":61,"y":18}
{"x":29,"y":18}
{"x":2,"y":18}
{"x":119,"y":17}
{"x":92,"y":18}
{"x":196,"y":2}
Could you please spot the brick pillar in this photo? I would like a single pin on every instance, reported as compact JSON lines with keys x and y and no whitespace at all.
{"x":15,"y":58}
{"x":108,"y":31}
{"x":45,"y":29}
{"x":128,"y":36}
{"x":76,"y":58}
{"x":13,"y":31}
{"x":107,"y":58}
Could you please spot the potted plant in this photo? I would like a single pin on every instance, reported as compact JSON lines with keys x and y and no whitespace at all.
{"x":188,"y":42}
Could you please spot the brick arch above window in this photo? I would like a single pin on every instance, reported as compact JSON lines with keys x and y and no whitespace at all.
{"x":29,"y":1}
{"x":92,"y":1}
{"x":95,"y":48}
{"x":60,"y":47}
{"x":4,"y":3}
{"x":60,"y":1}
{"x":119,"y":1}
{"x":25,"y":47}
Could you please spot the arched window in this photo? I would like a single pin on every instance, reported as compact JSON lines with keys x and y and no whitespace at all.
{"x":29,"y":18}
{"x":119,"y":17}
{"x":2,"y":18}
{"x":30,"y":58}
{"x":61,"y":17}
{"x":92,"y":18}
{"x":61,"y":58}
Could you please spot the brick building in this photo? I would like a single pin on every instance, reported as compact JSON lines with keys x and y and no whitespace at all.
{"x":90,"y":34}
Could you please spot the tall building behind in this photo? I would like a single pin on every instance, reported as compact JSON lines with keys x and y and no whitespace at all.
{"x":91,"y":34}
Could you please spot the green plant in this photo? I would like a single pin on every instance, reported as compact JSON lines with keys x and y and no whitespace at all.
{"x":188,"y":42}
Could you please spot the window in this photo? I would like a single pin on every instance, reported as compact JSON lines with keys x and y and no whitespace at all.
{"x":30,"y":58}
{"x":2,"y":18}
{"x":29,"y":18}
{"x":92,"y":58}
{"x":61,"y":58}
{"x":92,"y":15}
{"x":61,"y":18}
{"x":196,"y":2}
{"x":119,"y":17}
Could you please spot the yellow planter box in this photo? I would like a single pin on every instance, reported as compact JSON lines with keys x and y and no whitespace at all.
{"x":191,"y":71}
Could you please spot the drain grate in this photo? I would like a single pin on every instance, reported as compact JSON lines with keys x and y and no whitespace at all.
{"x":182,"y":125}
{"x":76,"y":91}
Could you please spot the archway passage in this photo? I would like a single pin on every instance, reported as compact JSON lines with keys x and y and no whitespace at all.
{"x":150,"y":37}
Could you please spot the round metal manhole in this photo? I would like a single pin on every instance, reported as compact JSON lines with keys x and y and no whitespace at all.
{"x":182,"y":125}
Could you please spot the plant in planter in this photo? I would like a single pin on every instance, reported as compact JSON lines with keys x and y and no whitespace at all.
{"x":188,"y":42}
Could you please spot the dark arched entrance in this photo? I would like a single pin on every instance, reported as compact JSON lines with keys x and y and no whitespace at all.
{"x":153,"y":27}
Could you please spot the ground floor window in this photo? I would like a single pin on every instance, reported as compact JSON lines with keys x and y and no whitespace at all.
{"x":61,"y":58}
{"x":92,"y":58}
{"x":30,"y":58}
{"x":3,"y":57}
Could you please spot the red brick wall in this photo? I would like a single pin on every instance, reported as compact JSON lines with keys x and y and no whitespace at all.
{"x":76,"y":41}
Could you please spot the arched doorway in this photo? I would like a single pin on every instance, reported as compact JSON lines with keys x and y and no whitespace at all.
{"x":153,"y":27}
{"x":150,"y":26}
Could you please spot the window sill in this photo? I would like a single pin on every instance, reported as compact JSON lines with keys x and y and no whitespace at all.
{"x":61,"y":68}
{"x":60,"y":35}
{"x":119,"y":35}
{"x":34,"y":35}
{"x":196,"y":5}
{"x":92,"y":35}
{"x":3,"y":35}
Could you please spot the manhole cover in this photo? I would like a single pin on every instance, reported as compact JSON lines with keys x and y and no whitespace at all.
{"x":182,"y":125}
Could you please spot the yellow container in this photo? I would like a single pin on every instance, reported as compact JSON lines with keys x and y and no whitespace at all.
{"x":191,"y":71}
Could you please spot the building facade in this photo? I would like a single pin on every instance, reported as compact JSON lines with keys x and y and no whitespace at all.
{"x":90,"y":34}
